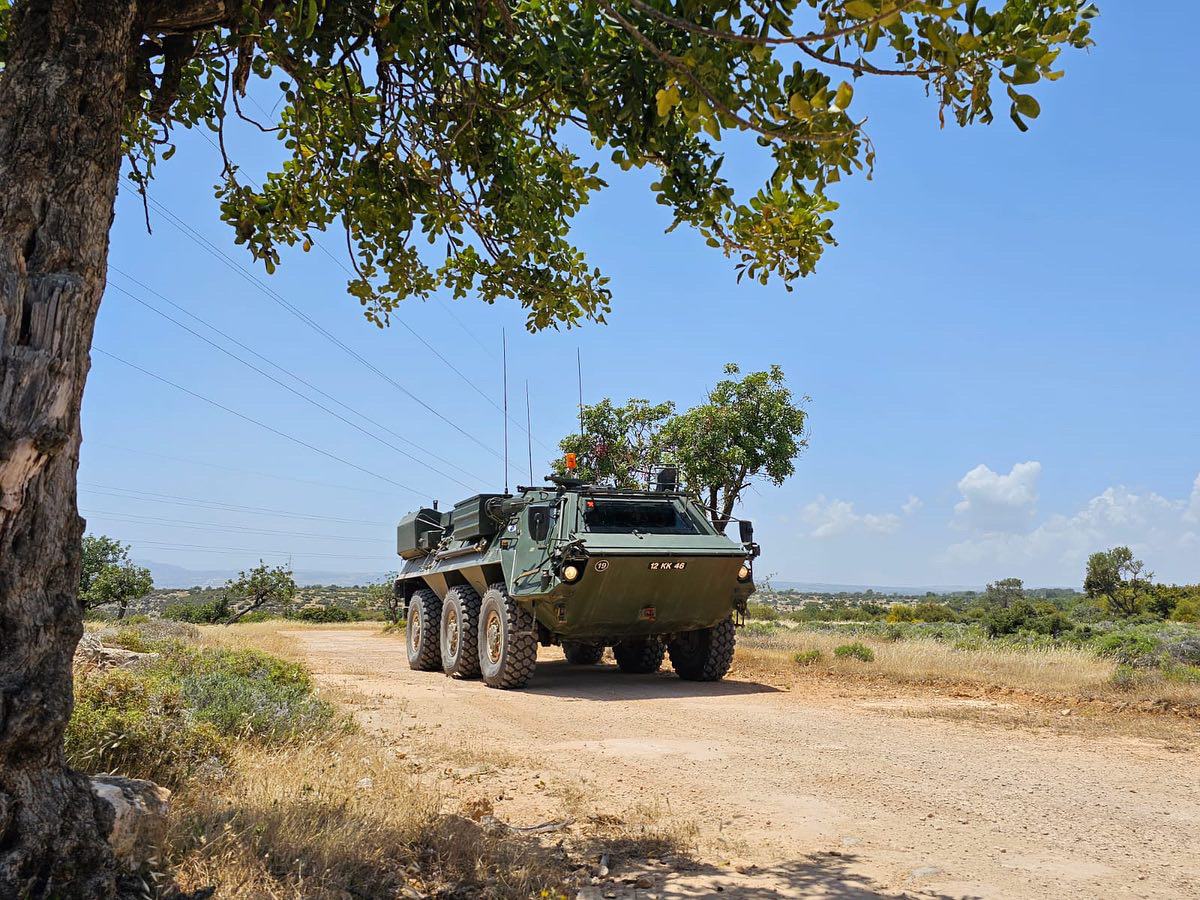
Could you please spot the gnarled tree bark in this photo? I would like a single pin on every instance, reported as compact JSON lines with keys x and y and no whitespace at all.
{"x":61,"y":106}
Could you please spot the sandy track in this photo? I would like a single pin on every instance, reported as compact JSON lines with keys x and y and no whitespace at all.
{"x":815,"y":795}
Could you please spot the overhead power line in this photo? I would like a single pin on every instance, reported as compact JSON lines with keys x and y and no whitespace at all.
{"x":254,"y":421}
{"x":172,"y":545}
{"x":196,"y":237}
{"x":282,"y":384}
{"x":150,"y":497}
{"x":89,"y":442}
{"x":159,"y":521}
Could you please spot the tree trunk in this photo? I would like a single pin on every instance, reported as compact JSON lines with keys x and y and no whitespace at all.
{"x":61,"y":106}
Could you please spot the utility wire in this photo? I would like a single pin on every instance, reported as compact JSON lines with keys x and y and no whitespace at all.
{"x":172,"y":545}
{"x":432,"y":349}
{"x":197,"y":462}
{"x":159,"y":521}
{"x":282,"y":384}
{"x":254,"y":421}
{"x":149,"y":497}
{"x":196,"y":237}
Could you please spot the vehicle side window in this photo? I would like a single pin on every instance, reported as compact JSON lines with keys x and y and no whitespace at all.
{"x":539,"y":523}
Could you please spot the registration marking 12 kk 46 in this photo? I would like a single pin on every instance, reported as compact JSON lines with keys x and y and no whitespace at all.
{"x":667,"y":566}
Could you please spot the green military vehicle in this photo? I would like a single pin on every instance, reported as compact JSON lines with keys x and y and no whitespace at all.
{"x":578,"y":565}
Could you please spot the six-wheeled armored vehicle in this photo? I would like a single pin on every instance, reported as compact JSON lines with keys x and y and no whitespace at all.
{"x":582,"y":566}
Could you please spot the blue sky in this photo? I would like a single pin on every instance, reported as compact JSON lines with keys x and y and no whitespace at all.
{"x":1002,"y":354}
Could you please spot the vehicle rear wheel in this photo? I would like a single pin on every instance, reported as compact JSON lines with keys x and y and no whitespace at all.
{"x":459,"y":633}
{"x":507,"y":640}
{"x":582,"y":653}
{"x":421,"y":632}
{"x":704,"y":655}
{"x":639,"y":656}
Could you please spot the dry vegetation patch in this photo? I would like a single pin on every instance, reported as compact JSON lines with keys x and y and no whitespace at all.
{"x":1051,"y":673}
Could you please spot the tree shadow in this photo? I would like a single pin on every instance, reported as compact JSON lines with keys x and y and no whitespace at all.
{"x":558,"y":678}
{"x":825,"y":875}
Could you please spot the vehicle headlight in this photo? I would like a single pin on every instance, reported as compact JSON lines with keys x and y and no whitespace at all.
{"x":571,"y":573}
{"x":744,"y":573}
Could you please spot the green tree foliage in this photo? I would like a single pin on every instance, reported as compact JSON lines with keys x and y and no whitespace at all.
{"x":1119,"y":581}
{"x":262,"y":584}
{"x":750,"y":428}
{"x":1004,"y":593}
{"x":620,"y":445}
{"x":109,"y":576}
{"x":453,"y":127}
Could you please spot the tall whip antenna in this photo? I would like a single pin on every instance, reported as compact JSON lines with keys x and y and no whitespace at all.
{"x":529,"y":430}
{"x":579,"y":371}
{"x":504,"y":363}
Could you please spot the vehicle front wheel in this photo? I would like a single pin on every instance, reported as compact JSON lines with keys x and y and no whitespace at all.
{"x":703,"y":655}
{"x":582,"y":653}
{"x":421,"y":632}
{"x":507,"y":640}
{"x":460,"y":632}
{"x":639,"y":656}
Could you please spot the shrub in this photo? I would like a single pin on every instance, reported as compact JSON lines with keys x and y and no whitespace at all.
{"x":251,"y":694}
{"x":137,"y":724}
{"x":168,"y":718}
{"x":1185,"y":650}
{"x":1130,"y":647}
{"x":324,"y":614}
{"x":199,"y":613}
{"x":1124,"y":677}
{"x":806,"y":657}
{"x":856,"y":650}
{"x":762,"y":611}
{"x":763,"y":629}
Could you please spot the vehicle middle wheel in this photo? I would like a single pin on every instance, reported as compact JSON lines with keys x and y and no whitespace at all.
{"x":582,"y":653}
{"x":421,"y":632}
{"x":639,"y":656}
{"x":459,"y":633}
{"x":507,"y":640}
{"x":704,"y":655}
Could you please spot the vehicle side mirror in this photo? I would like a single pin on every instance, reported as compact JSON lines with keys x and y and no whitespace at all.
{"x":746,"y":531}
{"x":539,"y":523}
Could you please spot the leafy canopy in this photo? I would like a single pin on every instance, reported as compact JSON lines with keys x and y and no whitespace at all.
{"x":750,"y":428}
{"x":109,"y":575}
{"x":260,"y":585}
{"x":445,"y":137}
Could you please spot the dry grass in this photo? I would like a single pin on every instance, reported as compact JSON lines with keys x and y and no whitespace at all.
{"x":340,"y":818}
{"x":1051,"y":673}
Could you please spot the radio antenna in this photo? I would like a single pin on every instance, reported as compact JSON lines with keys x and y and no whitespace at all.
{"x":579,"y":371}
{"x":504,"y":364}
{"x":529,"y":431}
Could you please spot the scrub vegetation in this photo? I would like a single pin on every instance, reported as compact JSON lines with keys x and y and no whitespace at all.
{"x":277,"y":794}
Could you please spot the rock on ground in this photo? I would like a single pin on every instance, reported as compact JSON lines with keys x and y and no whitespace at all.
{"x":140,"y":820}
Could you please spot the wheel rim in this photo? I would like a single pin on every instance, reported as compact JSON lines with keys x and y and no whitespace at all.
{"x":495,"y":637}
{"x":452,"y":632}
{"x":414,"y":631}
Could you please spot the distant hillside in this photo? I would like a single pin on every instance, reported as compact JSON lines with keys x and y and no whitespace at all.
{"x":168,"y":575}
{"x":818,"y":587}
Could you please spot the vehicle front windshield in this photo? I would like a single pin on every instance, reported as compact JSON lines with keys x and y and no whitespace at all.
{"x":619,"y":516}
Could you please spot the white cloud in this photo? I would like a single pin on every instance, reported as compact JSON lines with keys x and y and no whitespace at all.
{"x":1157,"y":529}
{"x":829,"y":518}
{"x":998,"y":503}
{"x":911,"y":506}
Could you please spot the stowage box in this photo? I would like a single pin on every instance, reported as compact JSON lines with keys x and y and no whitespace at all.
{"x":470,"y":519}
{"x":417,"y":530}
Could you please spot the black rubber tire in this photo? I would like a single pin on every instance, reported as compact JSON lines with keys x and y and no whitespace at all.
{"x":639,"y":656}
{"x":582,"y":653}
{"x":507,"y":640}
{"x":704,"y":655}
{"x":421,"y":633}
{"x":458,"y":636}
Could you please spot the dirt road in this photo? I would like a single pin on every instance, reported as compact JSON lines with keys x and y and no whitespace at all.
{"x":799,"y":793}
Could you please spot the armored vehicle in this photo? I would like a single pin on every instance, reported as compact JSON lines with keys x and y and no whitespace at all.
{"x":577,"y":565}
